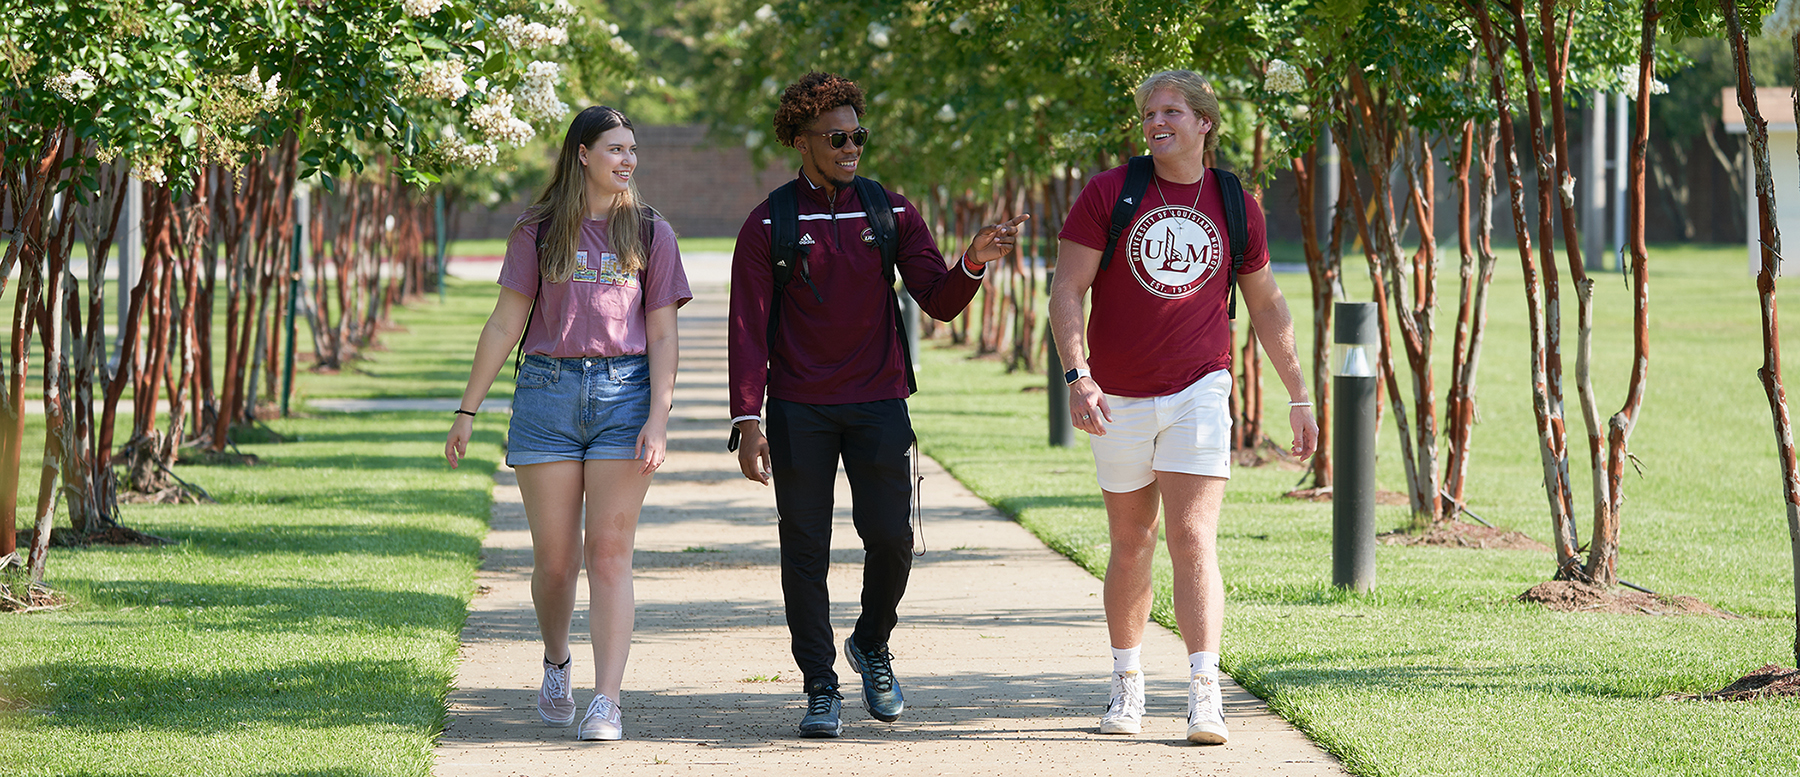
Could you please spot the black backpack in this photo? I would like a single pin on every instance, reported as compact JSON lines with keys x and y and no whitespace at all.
{"x":1137,"y":179}
{"x":646,"y":235}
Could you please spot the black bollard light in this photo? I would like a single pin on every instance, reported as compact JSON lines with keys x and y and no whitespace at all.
{"x":1353,"y":390}
{"x":1062,"y":431}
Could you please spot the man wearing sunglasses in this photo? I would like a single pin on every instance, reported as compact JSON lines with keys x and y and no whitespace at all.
{"x":826,"y":352}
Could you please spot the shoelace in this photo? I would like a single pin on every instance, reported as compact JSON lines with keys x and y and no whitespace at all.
{"x":604,"y":707}
{"x":819,"y":703}
{"x":556,"y":682}
{"x":878,"y":666}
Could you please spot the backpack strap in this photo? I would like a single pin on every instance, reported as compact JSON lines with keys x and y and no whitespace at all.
{"x":785,"y":251}
{"x":543,"y":230}
{"x":880,"y":212}
{"x":1137,"y":179}
{"x":1237,"y":229}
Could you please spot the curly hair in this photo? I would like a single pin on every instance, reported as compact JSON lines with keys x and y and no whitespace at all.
{"x":804,"y":100}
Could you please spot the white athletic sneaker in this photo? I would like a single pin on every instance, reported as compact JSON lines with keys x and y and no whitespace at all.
{"x":1206,"y":712}
{"x":604,"y":721}
{"x":556,"y":701}
{"x":1125,"y":713}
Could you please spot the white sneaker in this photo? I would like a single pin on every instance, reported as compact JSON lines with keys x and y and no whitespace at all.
{"x":556,"y":700}
{"x":1125,"y":713}
{"x":604,"y":721}
{"x":1206,"y":712}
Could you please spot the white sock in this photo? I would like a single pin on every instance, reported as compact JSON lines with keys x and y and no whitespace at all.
{"x":1204,"y":664}
{"x":1126,"y":659}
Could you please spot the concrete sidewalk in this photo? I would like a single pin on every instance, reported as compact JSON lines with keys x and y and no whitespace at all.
{"x":1001,"y":647}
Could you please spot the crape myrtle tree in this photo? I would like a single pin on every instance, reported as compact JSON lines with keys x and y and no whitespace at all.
{"x":220,"y":109}
{"x":1533,"y":56}
{"x":1406,"y":97}
{"x":1393,"y":79}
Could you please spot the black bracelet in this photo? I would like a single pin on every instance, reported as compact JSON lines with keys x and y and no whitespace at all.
{"x":469,"y":413}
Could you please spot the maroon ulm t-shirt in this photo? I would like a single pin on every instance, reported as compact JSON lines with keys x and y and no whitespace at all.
{"x":1157,"y":322}
{"x":838,"y":347}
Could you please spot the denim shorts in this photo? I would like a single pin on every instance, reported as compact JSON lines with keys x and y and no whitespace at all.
{"x":578,"y":409}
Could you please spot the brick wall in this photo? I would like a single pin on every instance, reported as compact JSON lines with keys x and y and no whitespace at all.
{"x":703,"y":189}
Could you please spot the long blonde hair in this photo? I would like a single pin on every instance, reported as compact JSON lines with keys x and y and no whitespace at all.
{"x":564,"y":204}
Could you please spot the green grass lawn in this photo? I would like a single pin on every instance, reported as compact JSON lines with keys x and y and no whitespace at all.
{"x":306,"y":624}
{"x":1440,"y":671}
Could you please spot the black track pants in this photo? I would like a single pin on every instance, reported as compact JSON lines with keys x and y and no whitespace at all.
{"x":805,"y":444}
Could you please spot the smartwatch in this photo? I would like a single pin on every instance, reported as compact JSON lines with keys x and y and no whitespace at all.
{"x":1074,"y":375}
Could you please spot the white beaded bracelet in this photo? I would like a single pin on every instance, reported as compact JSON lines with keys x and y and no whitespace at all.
{"x":1299,"y":404}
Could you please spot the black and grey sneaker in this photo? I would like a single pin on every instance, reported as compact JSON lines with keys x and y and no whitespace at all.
{"x":824,"y":706}
{"x":881,"y":692}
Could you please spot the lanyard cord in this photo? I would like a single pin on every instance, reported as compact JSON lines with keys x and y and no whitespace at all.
{"x":918,"y":513}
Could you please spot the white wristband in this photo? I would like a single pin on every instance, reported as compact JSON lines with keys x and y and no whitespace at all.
{"x":1299,"y":404}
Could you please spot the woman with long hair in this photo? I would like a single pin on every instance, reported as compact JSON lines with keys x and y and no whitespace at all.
{"x":592,"y":278}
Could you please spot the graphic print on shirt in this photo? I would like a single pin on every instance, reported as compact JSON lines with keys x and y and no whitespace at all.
{"x":1174,"y":250}
{"x":609,"y":273}
{"x":584,"y":273}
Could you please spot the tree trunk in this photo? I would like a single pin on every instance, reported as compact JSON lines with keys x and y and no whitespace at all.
{"x":1769,"y":235}
{"x":29,"y":187}
{"x":1603,"y":558}
{"x":1477,"y":275}
{"x":1539,"y":316}
{"x":1323,"y":276}
{"x":1380,"y":297}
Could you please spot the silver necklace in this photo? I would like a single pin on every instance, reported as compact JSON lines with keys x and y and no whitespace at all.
{"x":1165,"y":198}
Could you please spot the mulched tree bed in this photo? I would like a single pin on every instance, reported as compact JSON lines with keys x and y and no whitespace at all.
{"x":1389,"y":498}
{"x":1572,"y":596}
{"x":1456,"y":534}
{"x":65,"y":537}
{"x":1773,"y":680}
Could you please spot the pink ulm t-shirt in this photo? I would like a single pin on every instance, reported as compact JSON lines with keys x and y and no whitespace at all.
{"x":600,"y":311}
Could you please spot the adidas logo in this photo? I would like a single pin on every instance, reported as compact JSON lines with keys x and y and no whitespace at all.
{"x":782,"y":263}
{"x":1128,"y":201}
{"x":806,"y":239}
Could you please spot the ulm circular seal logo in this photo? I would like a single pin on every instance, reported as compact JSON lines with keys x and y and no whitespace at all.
{"x":1174,"y":250}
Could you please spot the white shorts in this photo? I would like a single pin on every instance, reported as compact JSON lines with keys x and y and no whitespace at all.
{"x":1188,"y":431}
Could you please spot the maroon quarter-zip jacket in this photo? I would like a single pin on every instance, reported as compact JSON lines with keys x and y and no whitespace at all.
{"x":839,"y":347}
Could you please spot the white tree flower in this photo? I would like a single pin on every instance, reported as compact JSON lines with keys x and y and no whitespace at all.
{"x":1283,"y":78}
{"x":530,"y":35}
{"x":1783,"y":22}
{"x":420,"y":9}
{"x":878,"y":34}
{"x":766,"y":15}
{"x":443,"y":79}
{"x":458,"y":152}
{"x":537,"y":93}
{"x":946,"y":113}
{"x":497,"y":123}
{"x":145,"y":171}
{"x":68,"y":85}
{"x":961,"y":25}
{"x":1628,"y":76}
{"x":249,"y":82}
{"x":562,"y":11}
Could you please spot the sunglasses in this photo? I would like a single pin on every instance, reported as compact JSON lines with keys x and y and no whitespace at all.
{"x":838,"y":138}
